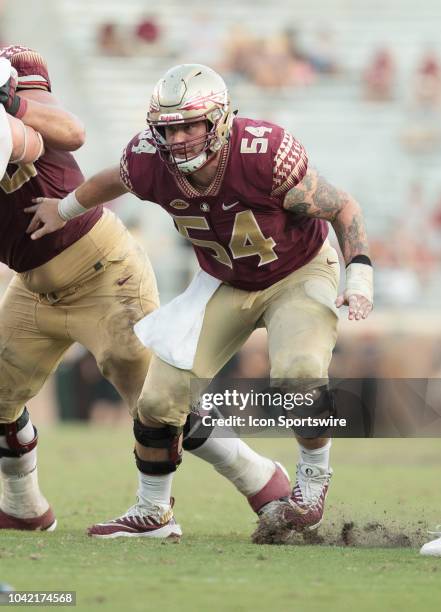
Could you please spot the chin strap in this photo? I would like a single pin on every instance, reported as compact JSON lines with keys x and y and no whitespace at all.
{"x":192,"y":165}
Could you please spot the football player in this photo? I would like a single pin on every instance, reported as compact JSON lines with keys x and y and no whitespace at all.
{"x":18,"y":142}
{"x":88,"y":282}
{"x":257,"y":213}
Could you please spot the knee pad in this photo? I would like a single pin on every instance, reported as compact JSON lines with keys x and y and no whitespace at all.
{"x":167,"y":437}
{"x":14,"y":448}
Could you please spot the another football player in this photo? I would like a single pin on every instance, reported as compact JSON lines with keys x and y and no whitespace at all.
{"x":88,"y":282}
{"x":257,"y":213}
{"x":18,"y":142}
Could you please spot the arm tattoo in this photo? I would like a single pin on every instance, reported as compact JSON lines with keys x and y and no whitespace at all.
{"x":315,"y":197}
{"x":351,"y":235}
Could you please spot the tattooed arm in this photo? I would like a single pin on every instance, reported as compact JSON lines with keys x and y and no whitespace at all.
{"x":315,"y":197}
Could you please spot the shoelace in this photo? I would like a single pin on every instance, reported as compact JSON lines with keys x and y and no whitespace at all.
{"x":312,"y":486}
{"x":437,"y":531}
{"x":150,"y":516}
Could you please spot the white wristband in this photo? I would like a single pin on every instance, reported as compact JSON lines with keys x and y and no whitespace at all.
{"x":69,"y":207}
{"x":360,"y":280}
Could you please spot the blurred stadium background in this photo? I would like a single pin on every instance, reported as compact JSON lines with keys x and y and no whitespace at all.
{"x":358,"y":83}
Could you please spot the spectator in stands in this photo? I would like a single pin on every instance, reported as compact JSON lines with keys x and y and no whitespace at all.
{"x":435,"y":229}
{"x":436,"y":216}
{"x":322,"y":53}
{"x":241,"y":51}
{"x":379,"y":76}
{"x":422,"y":132}
{"x":427,"y":83}
{"x":147,"y":30}
{"x":280,"y":64}
{"x":147,"y":37}
{"x":110,"y":41}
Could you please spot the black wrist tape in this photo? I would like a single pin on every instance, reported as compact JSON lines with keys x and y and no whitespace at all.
{"x":363,"y":259}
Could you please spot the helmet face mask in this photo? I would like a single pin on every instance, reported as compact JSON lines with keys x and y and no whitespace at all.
{"x":187,"y":94}
{"x":184,"y":156}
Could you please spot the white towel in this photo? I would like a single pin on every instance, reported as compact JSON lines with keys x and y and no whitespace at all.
{"x":172,"y":331}
{"x":5,"y":130}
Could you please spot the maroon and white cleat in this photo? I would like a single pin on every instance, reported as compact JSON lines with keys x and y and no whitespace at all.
{"x":303,"y":511}
{"x":45,"y":522}
{"x":277,"y":486}
{"x":139,"y":522}
{"x":299,"y":511}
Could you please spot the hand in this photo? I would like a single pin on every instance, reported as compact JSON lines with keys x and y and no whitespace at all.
{"x":359,"y":306}
{"x":46,"y":218}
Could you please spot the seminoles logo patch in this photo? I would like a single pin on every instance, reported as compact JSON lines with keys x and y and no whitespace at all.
{"x":179,"y":204}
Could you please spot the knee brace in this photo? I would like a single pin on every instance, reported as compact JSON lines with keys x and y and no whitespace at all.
{"x":167,"y":437}
{"x":323,"y":407}
{"x":195,"y":432}
{"x":14,"y":447}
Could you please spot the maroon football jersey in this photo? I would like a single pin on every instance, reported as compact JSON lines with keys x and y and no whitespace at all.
{"x":54,"y":175}
{"x":239,"y":229}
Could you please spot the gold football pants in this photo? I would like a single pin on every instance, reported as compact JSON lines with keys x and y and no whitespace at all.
{"x":301,"y":319}
{"x":91,"y":293}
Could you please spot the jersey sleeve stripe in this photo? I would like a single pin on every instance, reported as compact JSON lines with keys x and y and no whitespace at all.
{"x":32,"y":81}
{"x":124,"y":172}
{"x":290,"y":165}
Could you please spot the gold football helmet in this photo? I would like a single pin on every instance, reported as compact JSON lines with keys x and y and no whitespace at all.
{"x":186,"y":94}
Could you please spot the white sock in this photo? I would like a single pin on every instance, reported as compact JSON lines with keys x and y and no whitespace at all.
{"x":21,"y":495}
{"x":154,"y":492}
{"x":318,"y":457}
{"x":231,"y":457}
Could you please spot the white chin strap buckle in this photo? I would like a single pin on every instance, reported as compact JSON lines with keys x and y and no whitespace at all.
{"x":191,"y":165}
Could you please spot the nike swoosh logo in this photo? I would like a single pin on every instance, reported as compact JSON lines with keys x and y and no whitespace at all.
{"x":225,"y":207}
{"x":330,"y":262}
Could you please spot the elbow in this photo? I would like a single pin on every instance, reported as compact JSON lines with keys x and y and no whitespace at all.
{"x":70,"y":136}
{"x":349,"y":208}
{"x":76,"y":137}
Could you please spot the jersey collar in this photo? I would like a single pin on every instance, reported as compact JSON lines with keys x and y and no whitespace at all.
{"x":213,"y":188}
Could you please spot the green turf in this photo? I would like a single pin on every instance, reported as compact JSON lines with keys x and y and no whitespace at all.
{"x":89,"y":475}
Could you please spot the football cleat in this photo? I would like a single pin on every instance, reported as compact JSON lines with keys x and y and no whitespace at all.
{"x":45,"y":522}
{"x":433,"y":548}
{"x":139,"y":522}
{"x":300,"y":511}
{"x":277,"y":486}
{"x":303,"y":511}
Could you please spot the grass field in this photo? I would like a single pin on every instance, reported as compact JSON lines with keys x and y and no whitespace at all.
{"x":89,"y":475}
